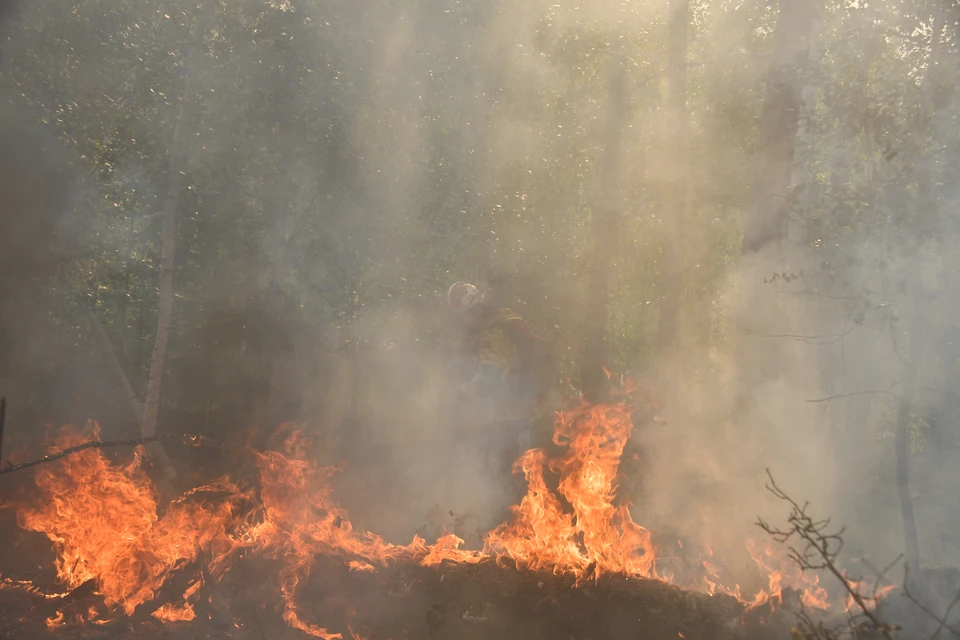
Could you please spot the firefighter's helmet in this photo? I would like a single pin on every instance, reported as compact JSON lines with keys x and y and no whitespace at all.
{"x":462,"y":296}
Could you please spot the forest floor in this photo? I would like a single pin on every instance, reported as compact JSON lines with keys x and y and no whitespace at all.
{"x":402,"y":601}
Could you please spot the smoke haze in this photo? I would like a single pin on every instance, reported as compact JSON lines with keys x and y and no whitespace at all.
{"x":352,"y":160}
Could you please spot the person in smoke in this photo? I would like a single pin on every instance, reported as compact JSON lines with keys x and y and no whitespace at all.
{"x":503,"y":370}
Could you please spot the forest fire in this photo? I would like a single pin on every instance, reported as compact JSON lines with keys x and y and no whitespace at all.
{"x":103,"y":521}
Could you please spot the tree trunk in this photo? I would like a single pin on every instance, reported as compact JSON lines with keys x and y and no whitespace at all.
{"x":675,"y":198}
{"x":284,"y":394}
{"x":604,"y":238}
{"x":901,"y":445}
{"x":925,"y":227}
{"x":765,"y":220}
{"x":178,"y":153}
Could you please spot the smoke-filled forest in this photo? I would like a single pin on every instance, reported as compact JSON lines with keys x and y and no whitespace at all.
{"x":229,"y":235}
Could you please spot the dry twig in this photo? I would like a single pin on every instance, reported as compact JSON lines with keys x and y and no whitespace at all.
{"x":819,"y":552}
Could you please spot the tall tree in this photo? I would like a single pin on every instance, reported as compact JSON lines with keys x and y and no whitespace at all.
{"x":179,"y":150}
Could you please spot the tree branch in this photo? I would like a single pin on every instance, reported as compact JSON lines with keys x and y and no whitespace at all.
{"x":99,"y":444}
{"x":821,"y":339}
{"x":855,"y":393}
{"x":819,"y":295}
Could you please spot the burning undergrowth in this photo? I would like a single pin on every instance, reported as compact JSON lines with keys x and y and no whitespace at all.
{"x":120,"y":556}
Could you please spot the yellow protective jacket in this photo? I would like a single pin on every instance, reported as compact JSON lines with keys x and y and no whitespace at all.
{"x":497,"y":342}
{"x":504,"y":358}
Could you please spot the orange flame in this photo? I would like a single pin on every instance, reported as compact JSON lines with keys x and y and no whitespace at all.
{"x":173,"y":613}
{"x":56,"y":621}
{"x":597,"y":537}
{"x":783,"y":572}
{"x":871,"y":599}
{"x":103,"y":520}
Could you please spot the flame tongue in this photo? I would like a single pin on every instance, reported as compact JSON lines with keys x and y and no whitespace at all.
{"x":541,"y":535}
{"x":598,"y":536}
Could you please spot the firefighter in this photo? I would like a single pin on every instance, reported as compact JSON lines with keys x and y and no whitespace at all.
{"x":504,"y":370}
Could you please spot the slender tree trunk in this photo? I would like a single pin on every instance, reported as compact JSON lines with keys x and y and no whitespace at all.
{"x":284,"y":388}
{"x":925,"y":227}
{"x":604,"y":237}
{"x":106,"y":348}
{"x":178,"y":153}
{"x":901,"y":445}
{"x":675,"y":200}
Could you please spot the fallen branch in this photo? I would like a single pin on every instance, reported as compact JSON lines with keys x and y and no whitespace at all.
{"x":172,"y":588}
{"x":78,"y":599}
{"x":99,"y":444}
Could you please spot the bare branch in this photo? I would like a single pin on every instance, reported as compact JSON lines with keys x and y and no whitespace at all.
{"x":819,"y":295}
{"x":880,"y":575}
{"x":98,"y":444}
{"x":855,"y":393}
{"x":816,"y":339}
{"x":829,"y":338}
{"x":819,"y":551}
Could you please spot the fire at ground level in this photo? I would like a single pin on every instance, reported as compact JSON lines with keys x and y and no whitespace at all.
{"x":406,"y":600}
{"x":278,"y":557}
{"x":410,"y":601}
